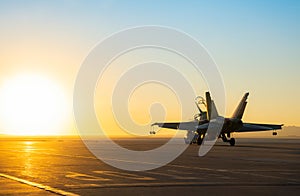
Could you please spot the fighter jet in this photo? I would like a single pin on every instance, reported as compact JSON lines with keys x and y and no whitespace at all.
{"x":197,"y":129}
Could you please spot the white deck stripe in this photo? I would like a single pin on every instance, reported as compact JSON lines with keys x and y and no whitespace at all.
{"x":173,"y":184}
{"x":37,"y":185}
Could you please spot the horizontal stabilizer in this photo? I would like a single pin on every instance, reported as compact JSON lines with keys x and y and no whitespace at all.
{"x":249,"y":127}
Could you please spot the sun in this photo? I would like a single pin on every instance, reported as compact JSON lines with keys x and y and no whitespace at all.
{"x":32,"y":105}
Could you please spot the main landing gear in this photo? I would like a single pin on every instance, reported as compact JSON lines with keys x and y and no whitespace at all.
{"x":200,"y":139}
{"x":194,"y":138}
{"x":225,"y":139}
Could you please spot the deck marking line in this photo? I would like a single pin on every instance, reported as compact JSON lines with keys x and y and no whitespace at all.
{"x":37,"y":185}
{"x":174,"y":184}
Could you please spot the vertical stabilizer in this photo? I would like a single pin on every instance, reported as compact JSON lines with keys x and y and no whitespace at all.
{"x":239,"y":111}
{"x":213,"y":111}
{"x":208,"y":104}
{"x":211,"y":107}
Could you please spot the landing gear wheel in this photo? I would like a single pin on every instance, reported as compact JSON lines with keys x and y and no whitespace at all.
{"x":232,"y":142}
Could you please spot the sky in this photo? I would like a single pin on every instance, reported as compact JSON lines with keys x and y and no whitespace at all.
{"x":255,"y":44}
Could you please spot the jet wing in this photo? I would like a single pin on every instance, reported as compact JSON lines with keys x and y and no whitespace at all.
{"x":251,"y":127}
{"x":191,"y":125}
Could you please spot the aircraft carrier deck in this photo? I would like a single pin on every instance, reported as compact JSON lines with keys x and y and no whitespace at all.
{"x":61,"y":166}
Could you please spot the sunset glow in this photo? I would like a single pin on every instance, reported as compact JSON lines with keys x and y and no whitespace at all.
{"x":32,"y":105}
{"x":44,"y":43}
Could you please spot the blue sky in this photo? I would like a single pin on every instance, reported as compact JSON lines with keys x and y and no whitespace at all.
{"x":255,"y":43}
